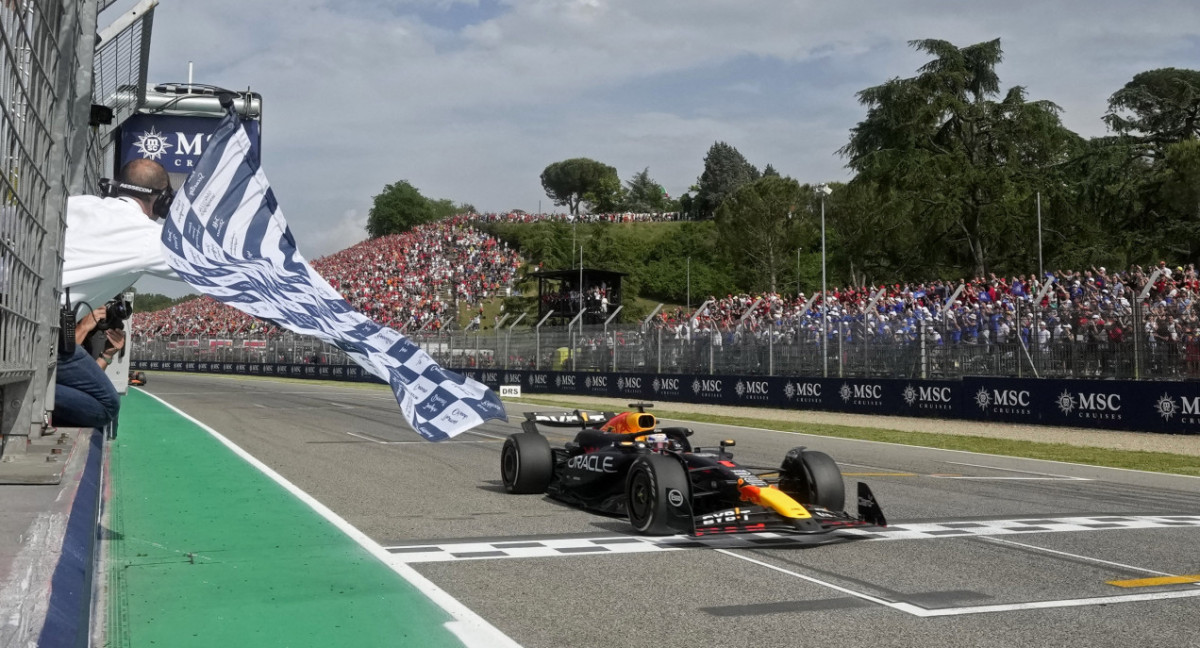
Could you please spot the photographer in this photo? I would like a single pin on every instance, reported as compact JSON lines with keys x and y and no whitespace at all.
{"x":110,"y":243}
{"x":83,"y":394}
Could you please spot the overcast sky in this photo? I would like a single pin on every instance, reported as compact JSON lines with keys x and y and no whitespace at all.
{"x":470,"y":99}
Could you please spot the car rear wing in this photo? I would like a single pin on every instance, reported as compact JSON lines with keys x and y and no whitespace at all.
{"x":576,"y":419}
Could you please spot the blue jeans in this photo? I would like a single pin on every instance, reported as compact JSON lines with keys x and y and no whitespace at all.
{"x":83,"y":394}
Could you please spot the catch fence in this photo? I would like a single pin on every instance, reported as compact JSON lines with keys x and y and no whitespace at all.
{"x":772,"y":351}
{"x":54,"y":127}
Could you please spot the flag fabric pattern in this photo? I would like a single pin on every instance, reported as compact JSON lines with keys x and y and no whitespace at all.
{"x":227,"y":237}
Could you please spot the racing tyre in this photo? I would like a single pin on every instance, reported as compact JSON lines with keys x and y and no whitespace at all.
{"x":658,"y":496}
{"x":526,"y":463}
{"x":813,"y":478}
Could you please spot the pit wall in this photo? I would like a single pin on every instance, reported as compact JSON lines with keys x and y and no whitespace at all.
{"x":1141,"y":406}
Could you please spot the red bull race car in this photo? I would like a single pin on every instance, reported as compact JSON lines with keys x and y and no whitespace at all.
{"x":624,"y":464}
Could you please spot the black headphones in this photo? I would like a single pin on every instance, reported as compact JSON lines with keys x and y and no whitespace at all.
{"x":162,"y":201}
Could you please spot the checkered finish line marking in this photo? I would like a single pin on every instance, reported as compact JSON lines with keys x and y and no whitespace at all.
{"x":551,"y":547}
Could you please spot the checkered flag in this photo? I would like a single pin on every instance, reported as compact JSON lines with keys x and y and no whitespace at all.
{"x":226,"y":236}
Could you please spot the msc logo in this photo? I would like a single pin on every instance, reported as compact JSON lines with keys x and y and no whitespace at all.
{"x":1002,"y":398}
{"x":632,"y":384}
{"x":490,"y":377}
{"x":1090,"y":405}
{"x":927,"y":397}
{"x":538,"y":380}
{"x":665,"y":384}
{"x":1167,"y":407}
{"x":751,"y":388}
{"x":850,"y":392}
{"x":564,"y":381}
{"x":152,"y":145}
{"x":706,"y":386}
{"x":802,"y":390}
{"x":599,"y":382}
{"x":511,"y":379}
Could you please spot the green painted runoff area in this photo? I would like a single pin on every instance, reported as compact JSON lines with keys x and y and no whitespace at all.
{"x":206,"y":550}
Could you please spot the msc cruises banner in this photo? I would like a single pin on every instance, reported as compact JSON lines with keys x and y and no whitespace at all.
{"x":1142,"y":406}
{"x":226,"y":236}
{"x":174,"y":142}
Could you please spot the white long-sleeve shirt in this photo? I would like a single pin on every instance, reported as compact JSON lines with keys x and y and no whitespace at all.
{"x":109,"y":244}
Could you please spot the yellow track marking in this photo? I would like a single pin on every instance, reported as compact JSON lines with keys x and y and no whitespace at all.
{"x":1159,"y":580}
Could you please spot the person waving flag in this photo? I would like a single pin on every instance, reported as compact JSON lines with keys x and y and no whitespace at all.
{"x":226,"y":236}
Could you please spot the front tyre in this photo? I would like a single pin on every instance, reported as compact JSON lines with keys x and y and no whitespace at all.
{"x":526,"y":463}
{"x":658,"y":496}
{"x":813,"y":478}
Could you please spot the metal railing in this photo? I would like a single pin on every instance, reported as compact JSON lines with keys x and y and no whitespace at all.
{"x":776,"y":351}
{"x":49,"y":148}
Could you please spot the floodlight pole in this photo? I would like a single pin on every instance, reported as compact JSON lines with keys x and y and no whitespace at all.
{"x":824,"y":190}
{"x":508,"y":337}
{"x":614,"y":342}
{"x":537,"y":340}
{"x":646,"y":322}
{"x":1041,"y":270}
{"x":571,"y":332}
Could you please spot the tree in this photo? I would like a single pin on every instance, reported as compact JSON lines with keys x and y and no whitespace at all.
{"x":399,"y":208}
{"x":943,"y":153}
{"x":760,"y":223}
{"x":607,"y":196}
{"x":572,"y":182}
{"x":1141,"y":182}
{"x":725,"y":169}
{"x":1161,"y":107}
{"x":644,"y":195}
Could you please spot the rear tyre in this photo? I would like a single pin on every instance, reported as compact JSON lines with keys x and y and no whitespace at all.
{"x":813,"y":478}
{"x":658,"y":496}
{"x":526,"y":463}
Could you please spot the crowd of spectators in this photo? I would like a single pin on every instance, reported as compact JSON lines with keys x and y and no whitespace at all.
{"x":408,"y":281}
{"x":412,"y":282}
{"x":518,"y":216}
{"x":1093,"y":308}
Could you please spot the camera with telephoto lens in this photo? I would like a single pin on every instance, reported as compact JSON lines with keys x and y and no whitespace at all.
{"x":115,"y":314}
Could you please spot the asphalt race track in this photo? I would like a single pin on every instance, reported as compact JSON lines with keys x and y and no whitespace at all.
{"x":981,"y":550}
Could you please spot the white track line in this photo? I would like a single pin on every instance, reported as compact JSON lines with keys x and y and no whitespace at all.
{"x":1067,"y":554}
{"x":468,"y":626}
{"x":1026,"y":472}
{"x":919,"y":611}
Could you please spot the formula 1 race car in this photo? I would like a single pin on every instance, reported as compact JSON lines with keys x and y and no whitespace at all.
{"x":137,"y":378}
{"x":624,"y":464}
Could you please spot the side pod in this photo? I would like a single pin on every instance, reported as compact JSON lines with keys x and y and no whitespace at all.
{"x":868,"y":508}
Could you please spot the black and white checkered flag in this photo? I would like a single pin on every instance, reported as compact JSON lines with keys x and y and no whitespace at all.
{"x":226,"y":236}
